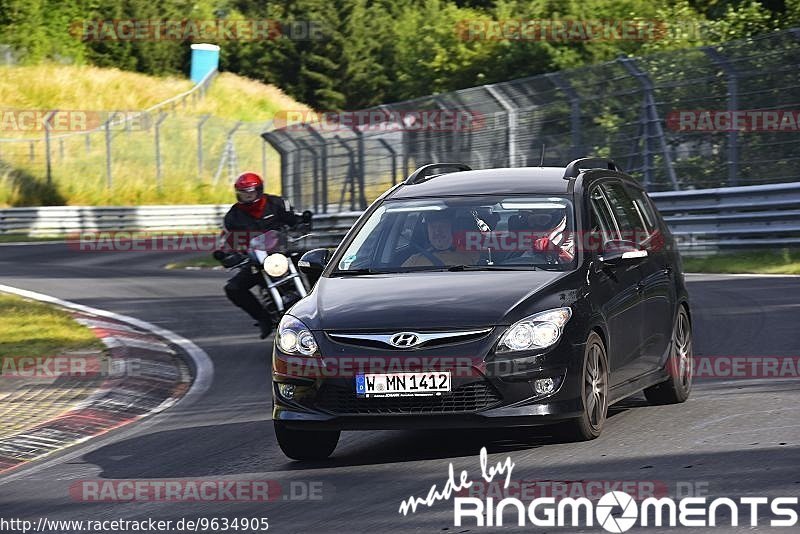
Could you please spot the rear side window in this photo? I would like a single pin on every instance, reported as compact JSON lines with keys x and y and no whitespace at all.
{"x":636,"y":220}
{"x":645,"y":209}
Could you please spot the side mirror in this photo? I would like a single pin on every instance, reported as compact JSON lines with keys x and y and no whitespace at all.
{"x":621,"y":251}
{"x":314,"y":261}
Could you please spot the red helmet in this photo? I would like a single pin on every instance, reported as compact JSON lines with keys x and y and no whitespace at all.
{"x":249,"y":188}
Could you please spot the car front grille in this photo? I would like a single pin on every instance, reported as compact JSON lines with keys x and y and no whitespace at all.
{"x":463,"y":399}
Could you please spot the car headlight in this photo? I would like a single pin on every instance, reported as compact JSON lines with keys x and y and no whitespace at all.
{"x":276,"y":265}
{"x":537,"y":331}
{"x":294,"y":337}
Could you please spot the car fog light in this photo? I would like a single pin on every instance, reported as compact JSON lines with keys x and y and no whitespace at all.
{"x":543,"y":386}
{"x":286,"y":391}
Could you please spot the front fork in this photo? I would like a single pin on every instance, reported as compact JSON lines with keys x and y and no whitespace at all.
{"x":292,"y":276}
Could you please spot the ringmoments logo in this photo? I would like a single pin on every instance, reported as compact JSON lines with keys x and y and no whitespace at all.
{"x":615,"y":511}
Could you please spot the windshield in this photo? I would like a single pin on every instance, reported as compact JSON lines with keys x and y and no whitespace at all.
{"x":474,"y":233}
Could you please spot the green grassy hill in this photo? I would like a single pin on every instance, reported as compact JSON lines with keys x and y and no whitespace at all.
{"x":78,"y":166}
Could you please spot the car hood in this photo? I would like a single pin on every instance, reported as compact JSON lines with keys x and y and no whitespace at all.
{"x":425,"y":300}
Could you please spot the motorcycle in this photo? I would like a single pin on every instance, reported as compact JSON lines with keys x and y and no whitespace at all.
{"x":275,"y":254}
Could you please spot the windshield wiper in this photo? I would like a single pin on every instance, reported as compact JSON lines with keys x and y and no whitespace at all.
{"x":355,"y":272}
{"x":455,"y":268}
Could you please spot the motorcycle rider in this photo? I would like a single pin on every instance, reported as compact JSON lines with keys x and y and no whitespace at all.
{"x":254,"y":213}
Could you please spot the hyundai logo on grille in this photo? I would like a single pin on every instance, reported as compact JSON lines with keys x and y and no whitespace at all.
{"x":404,"y":339}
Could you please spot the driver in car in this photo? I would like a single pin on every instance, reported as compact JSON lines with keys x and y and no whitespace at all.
{"x":442,"y":249}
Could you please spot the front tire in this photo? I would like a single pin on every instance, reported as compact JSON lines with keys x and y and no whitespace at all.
{"x":306,"y":444}
{"x":679,"y":366}
{"x":594,"y":394}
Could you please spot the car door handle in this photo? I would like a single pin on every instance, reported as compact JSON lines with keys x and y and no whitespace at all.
{"x":668,"y":270}
{"x":639,"y":287}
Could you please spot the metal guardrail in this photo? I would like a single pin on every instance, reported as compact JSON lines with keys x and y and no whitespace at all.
{"x":701,"y":220}
{"x":733,"y":217}
{"x":67,"y":221}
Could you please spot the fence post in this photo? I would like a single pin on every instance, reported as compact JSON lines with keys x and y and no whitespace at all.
{"x":264,"y":160}
{"x":651,"y":114}
{"x":200,"y":124}
{"x":733,"y":105}
{"x":228,"y":156}
{"x":315,"y":171}
{"x":47,"y":158}
{"x":351,"y":175}
{"x":161,"y":117}
{"x":393,"y":153}
{"x":271,"y":138}
{"x":323,"y":145}
{"x":109,"y":177}
{"x":511,"y":115}
{"x":575,"y":111}
{"x":362,"y":199}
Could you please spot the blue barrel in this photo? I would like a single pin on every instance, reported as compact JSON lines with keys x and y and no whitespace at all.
{"x":205,"y":58}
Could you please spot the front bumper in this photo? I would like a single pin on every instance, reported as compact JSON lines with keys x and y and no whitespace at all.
{"x":487,"y":392}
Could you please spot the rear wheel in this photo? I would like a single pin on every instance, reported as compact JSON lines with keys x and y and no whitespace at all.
{"x":306,"y":444}
{"x":679,"y":366}
{"x":594,"y":394}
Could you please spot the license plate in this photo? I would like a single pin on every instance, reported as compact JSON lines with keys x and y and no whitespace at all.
{"x":403,"y":384}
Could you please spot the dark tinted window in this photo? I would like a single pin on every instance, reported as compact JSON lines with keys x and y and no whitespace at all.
{"x":602,"y":218}
{"x":627,"y":213}
{"x":645,"y":209}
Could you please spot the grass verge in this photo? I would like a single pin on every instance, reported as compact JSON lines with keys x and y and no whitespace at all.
{"x":786,"y":261}
{"x":198,"y":262}
{"x":193,"y":168}
{"x":30,"y":328}
{"x":25,"y":238}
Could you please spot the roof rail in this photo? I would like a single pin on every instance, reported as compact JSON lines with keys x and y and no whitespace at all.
{"x":422,"y":173}
{"x":574,"y":168}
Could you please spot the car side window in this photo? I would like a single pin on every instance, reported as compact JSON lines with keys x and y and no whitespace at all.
{"x":602,"y":218}
{"x":645,"y":210}
{"x":627,"y":214}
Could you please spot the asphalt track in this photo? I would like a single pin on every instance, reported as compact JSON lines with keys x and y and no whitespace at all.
{"x":732,"y":438}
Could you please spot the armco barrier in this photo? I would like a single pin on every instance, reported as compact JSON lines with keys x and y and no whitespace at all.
{"x":702,"y":220}
{"x":733,"y":217}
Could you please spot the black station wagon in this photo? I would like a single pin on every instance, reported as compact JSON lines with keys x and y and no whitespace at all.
{"x":471,"y":298}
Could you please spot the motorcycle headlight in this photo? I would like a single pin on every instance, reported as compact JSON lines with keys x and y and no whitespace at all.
{"x":295,"y":338}
{"x":276,"y":265}
{"x":537,"y":331}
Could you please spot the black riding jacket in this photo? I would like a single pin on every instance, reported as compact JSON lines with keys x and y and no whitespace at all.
{"x":243,"y":222}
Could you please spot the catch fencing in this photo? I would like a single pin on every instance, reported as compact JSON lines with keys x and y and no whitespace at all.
{"x":628,"y":109}
{"x":164,"y":147}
